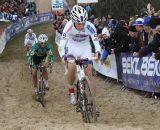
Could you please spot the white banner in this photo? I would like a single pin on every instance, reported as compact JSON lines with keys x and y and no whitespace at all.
{"x":57,"y":5}
{"x":87,"y":1}
{"x":21,"y":25}
{"x":108,"y":68}
{"x":2,"y":41}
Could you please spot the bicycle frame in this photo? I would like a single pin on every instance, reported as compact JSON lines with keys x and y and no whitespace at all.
{"x":80,"y":72}
{"x":81,"y":76}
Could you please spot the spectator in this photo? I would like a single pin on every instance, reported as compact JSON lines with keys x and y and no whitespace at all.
{"x":105,"y":44}
{"x":150,"y":9}
{"x":15,"y":9}
{"x":112,"y":25}
{"x":134,"y":43}
{"x":139,"y":27}
{"x":147,"y":29}
{"x":99,"y":27}
{"x":131,"y":21}
{"x":120,"y":39}
{"x":155,"y":44}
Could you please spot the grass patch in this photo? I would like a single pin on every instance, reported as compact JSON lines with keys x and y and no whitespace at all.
{"x":15,"y":47}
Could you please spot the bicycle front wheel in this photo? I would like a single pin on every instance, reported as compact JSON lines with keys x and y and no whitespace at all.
{"x":41,"y":93}
{"x":89,"y":113}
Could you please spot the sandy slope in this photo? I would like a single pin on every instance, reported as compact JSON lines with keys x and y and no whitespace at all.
{"x":120,"y":110}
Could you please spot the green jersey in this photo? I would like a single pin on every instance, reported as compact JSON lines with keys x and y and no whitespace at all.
{"x":39,"y":54}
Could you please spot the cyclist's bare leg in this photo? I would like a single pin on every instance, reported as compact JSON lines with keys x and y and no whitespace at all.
{"x":89,"y":73}
{"x":71,"y":73}
{"x":71,"y":79}
{"x":27,"y":48}
{"x":45,"y":74}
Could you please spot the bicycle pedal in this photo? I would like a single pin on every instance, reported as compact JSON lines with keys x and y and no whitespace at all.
{"x":97,"y":112}
{"x":78,"y":109}
{"x":46,"y":88}
{"x":37,"y":98}
{"x":97,"y":115}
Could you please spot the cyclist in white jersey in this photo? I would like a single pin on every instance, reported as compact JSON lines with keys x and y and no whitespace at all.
{"x":75,"y":38}
{"x":30,"y":40}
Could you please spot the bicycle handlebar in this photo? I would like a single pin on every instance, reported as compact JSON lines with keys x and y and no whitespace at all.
{"x":44,"y":66}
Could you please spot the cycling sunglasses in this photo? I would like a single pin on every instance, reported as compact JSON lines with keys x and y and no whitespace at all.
{"x":43,"y":43}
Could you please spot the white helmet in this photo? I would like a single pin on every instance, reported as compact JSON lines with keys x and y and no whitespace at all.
{"x":29,"y":31}
{"x":42,"y":38}
{"x":79,"y":14}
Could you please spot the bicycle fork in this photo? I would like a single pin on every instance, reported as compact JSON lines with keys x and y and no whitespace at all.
{"x":41,"y":84}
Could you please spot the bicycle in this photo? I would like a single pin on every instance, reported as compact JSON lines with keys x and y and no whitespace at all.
{"x":41,"y":85}
{"x":85,"y":99}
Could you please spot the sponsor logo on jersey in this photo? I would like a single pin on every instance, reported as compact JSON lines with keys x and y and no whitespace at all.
{"x":78,"y":40}
{"x":91,"y":29}
{"x":31,"y":38}
{"x":80,"y":35}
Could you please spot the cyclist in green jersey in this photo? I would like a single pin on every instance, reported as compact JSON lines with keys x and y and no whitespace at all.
{"x":41,"y":53}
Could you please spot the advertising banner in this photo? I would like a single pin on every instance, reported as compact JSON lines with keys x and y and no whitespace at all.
{"x":22,"y":25}
{"x":2,"y":18}
{"x":108,"y":68}
{"x":57,"y":5}
{"x":2,"y":42}
{"x":141,"y":73}
{"x":87,"y":1}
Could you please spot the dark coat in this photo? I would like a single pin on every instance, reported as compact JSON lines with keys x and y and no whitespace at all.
{"x":120,"y":40}
{"x":152,"y":47}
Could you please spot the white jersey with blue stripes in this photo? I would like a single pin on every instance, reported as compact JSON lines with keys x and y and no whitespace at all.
{"x":79,"y":39}
{"x":30,"y":39}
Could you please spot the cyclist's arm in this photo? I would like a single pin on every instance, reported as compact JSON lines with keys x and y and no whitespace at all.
{"x":32,"y":53}
{"x":93,"y":34}
{"x":50,"y":56}
{"x":25,"y":40}
{"x":64,"y":39}
{"x":34,"y":48}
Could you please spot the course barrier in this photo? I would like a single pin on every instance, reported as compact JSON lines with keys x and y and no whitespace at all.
{"x":22,"y":25}
{"x":141,"y":73}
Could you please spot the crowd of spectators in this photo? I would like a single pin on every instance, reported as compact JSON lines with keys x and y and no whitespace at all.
{"x":16,"y":9}
{"x":139,"y":35}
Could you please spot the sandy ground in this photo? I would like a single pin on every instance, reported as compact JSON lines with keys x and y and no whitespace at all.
{"x":120,"y":110}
